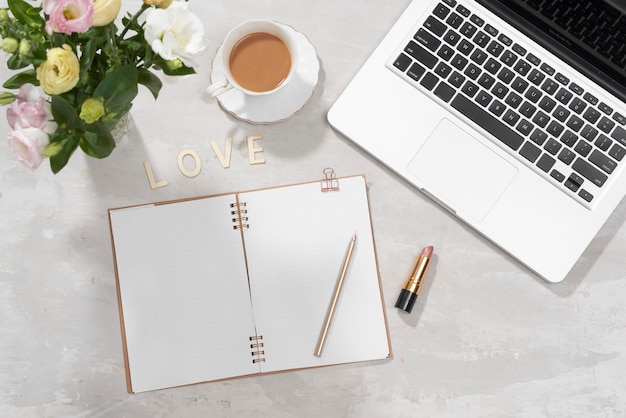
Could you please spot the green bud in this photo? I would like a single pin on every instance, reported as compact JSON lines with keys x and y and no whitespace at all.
{"x":9,"y":45}
{"x":174,"y":64}
{"x":6,"y":98}
{"x":91,"y":110}
{"x":52,"y":149}
{"x":4,"y":14}
{"x":24,"y":47}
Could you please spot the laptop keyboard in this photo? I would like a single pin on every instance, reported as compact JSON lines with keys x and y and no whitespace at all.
{"x":535,"y":111}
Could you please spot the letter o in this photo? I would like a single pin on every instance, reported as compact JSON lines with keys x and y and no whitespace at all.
{"x":196,"y":159}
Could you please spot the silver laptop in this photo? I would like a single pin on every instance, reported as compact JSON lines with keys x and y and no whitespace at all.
{"x":510,"y":114}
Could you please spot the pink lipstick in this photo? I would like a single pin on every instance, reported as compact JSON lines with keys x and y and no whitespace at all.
{"x":413,"y":284}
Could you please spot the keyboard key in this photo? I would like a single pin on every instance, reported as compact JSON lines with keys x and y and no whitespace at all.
{"x":444,"y":91}
{"x":495,"y":48}
{"x":479,"y":56}
{"x":472,"y":71}
{"x":508,"y":58}
{"x":541,"y":119}
{"x":591,"y":115}
{"x":402,"y":62}
{"x":530,"y":151}
{"x":499,"y":90}
{"x":619,"y":134}
{"x":564,"y":96}
{"x":589,"y":132}
{"x":602,"y":161}
{"x":577,"y":105}
{"x":605,"y":124}
{"x":519,"y":85}
{"x":497,"y":108}
{"x":533,"y":59}
{"x":511,"y":117}
{"x":445,"y":52}
{"x":575,"y":123}
{"x":574,"y":182}
{"x":605,"y":108}
{"x":585,"y":195}
{"x":567,"y":156}
{"x":491,"y":30}
{"x":482,"y":39}
{"x":454,"y":20}
{"x":589,"y":172}
{"x":429,"y":81}
{"x":505,"y":40}
{"x":569,"y":138}
{"x":468,"y":29}
{"x":470,"y":89}
{"x":617,"y":152}
{"x":522,"y":67}
{"x":452,"y":37}
{"x":483,"y":98}
{"x":435,"y":26}
{"x":557,"y":175}
{"x":421,"y":54}
{"x":524,"y":127}
{"x":441,"y":11}
{"x":463,"y":10}
{"x":547,"y":104}
{"x":478,"y":21}
{"x":561,"y":113}
{"x":536,"y":77}
{"x":545,"y":162}
{"x":552,"y":146}
{"x":486,"y":80}
{"x":576,"y":88}
{"x":427,"y":39}
{"x":456,"y":79}
{"x":450,"y":3}
{"x":547,"y":69}
{"x":416,"y":71}
{"x":492,"y":66}
{"x":555,"y":129}
{"x":561,"y":79}
{"x":443,"y":70}
{"x":506,"y":75}
{"x":549,"y":86}
{"x":488,"y":122}
{"x":519,"y":49}
{"x":583,"y":148}
{"x":527,"y":109}
{"x":459,"y":62}
{"x":513,"y":100}
{"x":533,"y":94}
{"x":619,"y":118}
{"x":591,"y":98}
{"x":538,"y":136}
{"x":465,"y":47}
{"x":603,"y":142}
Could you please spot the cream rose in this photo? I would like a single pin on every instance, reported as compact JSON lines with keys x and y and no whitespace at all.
{"x":105,"y":11}
{"x":162,"y":4}
{"x":59,"y":74}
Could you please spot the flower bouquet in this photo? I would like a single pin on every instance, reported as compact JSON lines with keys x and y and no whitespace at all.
{"x":88,"y":69}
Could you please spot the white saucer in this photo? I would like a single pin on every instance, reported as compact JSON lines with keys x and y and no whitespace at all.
{"x":282,"y":104}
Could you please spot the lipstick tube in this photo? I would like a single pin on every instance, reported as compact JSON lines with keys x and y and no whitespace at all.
{"x":413,"y":284}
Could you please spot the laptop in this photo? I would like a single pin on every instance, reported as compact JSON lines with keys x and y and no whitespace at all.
{"x":510,"y":114}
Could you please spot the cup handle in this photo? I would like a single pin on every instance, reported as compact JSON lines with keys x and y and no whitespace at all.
{"x":218,"y":88}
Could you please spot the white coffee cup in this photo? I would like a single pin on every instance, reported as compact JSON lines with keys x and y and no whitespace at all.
{"x":257,"y":58}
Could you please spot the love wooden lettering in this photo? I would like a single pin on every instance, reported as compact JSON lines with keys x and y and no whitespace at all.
{"x":223,"y":157}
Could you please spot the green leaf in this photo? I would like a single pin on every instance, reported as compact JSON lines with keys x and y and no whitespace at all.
{"x":69,"y":144}
{"x":163,"y":66}
{"x":118,"y":90}
{"x":97,"y":141}
{"x":89,"y":50}
{"x":151,"y":81}
{"x":26,"y":13}
{"x":15,"y":82}
{"x":17,"y":62}
{"x":65,"y":115}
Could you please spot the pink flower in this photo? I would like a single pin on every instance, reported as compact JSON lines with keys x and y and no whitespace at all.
{"x":68,"y":16}
{"x":30,"y":110}
{"x":28,"y":145}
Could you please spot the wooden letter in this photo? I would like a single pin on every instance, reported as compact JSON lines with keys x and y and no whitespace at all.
{"x":153,"y":184}
{"x":181,"y":166}
{"x":228,"y":150}
{"x":252,"y":150}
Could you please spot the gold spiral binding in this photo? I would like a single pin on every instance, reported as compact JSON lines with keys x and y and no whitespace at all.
{"x":239,"y":220}
{"x":256,"y":342}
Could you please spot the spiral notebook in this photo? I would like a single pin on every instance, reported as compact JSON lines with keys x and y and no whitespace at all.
{"x":239,"y":284}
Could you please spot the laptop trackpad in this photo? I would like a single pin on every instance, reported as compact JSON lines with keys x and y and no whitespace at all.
{"x":460,"y":171}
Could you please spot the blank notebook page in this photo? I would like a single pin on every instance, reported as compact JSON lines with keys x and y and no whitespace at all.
{"x":184,"y":293}
{"x":295,"y":245}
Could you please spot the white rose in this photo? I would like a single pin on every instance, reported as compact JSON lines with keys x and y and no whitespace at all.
{"x":175,"y":33}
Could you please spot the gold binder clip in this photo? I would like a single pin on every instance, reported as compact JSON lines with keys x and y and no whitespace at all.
{"x":330,"y":182}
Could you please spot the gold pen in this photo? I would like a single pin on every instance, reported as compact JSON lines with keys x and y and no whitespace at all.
{"x":333,"y":302}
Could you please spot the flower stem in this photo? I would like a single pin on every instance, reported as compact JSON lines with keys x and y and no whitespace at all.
{"x":134,"y":18}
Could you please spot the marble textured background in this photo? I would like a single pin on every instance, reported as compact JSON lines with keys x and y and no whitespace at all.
{"x":487,"y":338}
